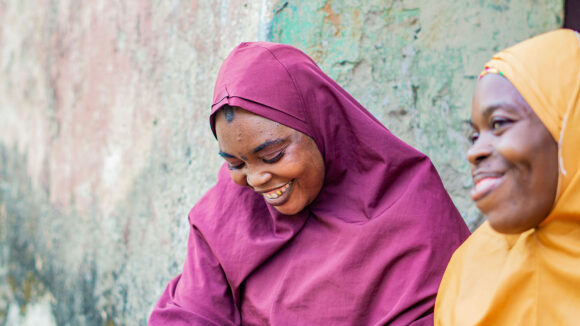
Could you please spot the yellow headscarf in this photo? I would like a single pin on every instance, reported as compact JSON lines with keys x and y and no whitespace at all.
{"x":532,"y":278}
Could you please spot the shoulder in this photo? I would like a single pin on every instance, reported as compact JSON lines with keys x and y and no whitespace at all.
{"x":480,"y":249}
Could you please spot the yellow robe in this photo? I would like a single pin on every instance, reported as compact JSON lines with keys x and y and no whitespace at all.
{"x":532,"y":278}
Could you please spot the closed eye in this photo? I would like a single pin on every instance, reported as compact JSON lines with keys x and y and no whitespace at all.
{"x":274,"y":158}
{"x":233,"y":162}
{"x":235,"y":167}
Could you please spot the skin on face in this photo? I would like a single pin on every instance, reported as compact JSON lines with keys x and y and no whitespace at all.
{"x":514,"y":159}
{"x":278,"y":162}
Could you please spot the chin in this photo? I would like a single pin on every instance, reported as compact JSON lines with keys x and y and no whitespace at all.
{"x":287,"y":211}
{"x":508,"y":225}
{"x":514,"y":220}
{"x":501,"y":228}
{"x":500,"y":220}
{"x":290,"y":209}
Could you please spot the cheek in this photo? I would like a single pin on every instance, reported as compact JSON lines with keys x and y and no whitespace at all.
{"x":512,"y":150}
{"x":520,"y":149}
{"x":317,"y":174}
{"x":546,"y":165}
{"x":294,"y":170}
{"x":297,"y":169}
{"x":238,"y":177}
{"x":312,"y":171}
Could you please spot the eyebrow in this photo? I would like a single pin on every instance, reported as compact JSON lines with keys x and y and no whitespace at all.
{"x":224,"y":154}
{"x":489,"y":110}
{"x":255,"y":150}
{"x":268,"y":143}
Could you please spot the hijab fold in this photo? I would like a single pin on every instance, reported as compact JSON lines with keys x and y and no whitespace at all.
{"x":532,"y":278}
{"x":370,"y":249}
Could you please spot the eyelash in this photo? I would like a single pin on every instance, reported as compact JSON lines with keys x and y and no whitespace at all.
{"x":493,"y":127}
{"x":500,"y":121}
{"x":473,"y":137}
{"x":274,"y":159}
{"x":235,"y":167}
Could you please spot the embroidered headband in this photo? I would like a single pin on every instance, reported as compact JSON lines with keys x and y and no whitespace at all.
{"x":489,"y":70}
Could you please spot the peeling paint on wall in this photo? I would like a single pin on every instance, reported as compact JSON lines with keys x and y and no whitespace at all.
{"x":104,"y":138}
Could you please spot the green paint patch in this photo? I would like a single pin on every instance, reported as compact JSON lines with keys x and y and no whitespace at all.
{"x":328,"y":32}
{"x":407,"y":16}
{"x":297,"y":23}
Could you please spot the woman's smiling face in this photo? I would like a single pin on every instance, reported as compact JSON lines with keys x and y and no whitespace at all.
{"x":514,"y":159}
{"x":278,"y":162}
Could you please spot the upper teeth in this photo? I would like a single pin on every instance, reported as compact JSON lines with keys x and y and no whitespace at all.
{"x":277,"y":193}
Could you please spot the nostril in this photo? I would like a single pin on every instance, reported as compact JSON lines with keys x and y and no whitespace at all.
{"x":480,"y":158}
{"x":257,"y":179}
{"x":478,"y":153}
{"x":475,"y":158}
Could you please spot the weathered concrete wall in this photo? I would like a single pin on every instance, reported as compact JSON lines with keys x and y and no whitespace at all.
{"x":104,"y":140}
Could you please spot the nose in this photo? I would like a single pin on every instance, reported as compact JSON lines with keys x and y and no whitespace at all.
{"x":256,"y":177}
{"x":480,"y":150}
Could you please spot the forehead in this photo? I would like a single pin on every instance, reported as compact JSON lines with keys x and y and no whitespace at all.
{"x":493,"y":91}
{"x":247,"y":128}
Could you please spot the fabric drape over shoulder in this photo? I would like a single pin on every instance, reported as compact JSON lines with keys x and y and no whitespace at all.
{"x":532,"y":278}
{"x":371,"y":248}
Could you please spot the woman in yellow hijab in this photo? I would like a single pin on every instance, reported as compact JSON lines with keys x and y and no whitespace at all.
{"x":522,"y":266}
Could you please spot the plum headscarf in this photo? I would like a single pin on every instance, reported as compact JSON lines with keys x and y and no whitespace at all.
{"x":370,"y":250}
{"x":532,"y":278}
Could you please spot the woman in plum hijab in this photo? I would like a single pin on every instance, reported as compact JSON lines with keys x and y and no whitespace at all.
{"x":320,"y":215}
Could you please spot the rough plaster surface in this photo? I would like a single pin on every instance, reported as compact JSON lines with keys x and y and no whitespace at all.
{"x":104,"y":140}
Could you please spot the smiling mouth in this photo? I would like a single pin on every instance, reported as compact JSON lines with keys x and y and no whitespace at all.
{"x":484,"y":186}
{"x":275,"y":194}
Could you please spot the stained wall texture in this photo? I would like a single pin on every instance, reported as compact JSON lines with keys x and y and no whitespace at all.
{"x":104,"y":138}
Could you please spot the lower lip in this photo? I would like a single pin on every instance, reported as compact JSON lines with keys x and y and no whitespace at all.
{"x":484,"y":187}
{"x":282,"y":199}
